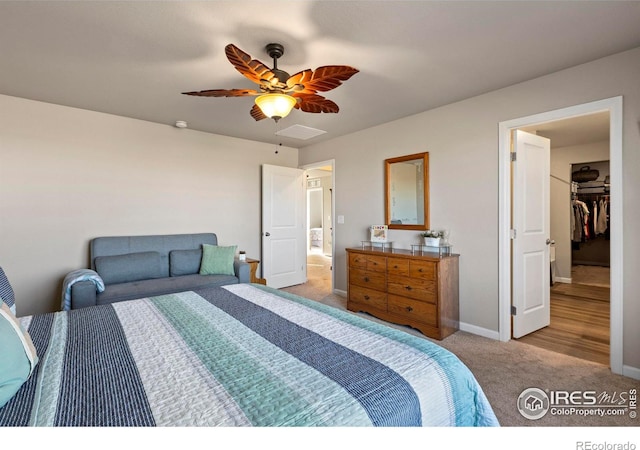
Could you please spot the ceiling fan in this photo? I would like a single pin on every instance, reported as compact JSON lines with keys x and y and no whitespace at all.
{"x":279,"y":92}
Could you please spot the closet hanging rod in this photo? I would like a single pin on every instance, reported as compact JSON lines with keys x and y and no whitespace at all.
{"x":560,"y":179}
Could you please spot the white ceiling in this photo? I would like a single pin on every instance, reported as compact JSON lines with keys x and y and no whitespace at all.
{"x":574,"y":131}
{"x":134,"y":58}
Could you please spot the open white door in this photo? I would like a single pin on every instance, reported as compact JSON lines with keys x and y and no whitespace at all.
{"x":284,"y":254}
{"x":531,"y":225}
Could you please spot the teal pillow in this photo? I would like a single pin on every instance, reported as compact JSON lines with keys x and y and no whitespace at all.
{"x":217,"y":260}
{"x":18,"y":357}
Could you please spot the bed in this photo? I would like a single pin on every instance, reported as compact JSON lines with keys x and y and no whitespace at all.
{"x":239,"y":355}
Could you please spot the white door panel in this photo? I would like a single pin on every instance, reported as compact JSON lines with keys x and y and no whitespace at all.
{"x":531,"y":222}
{"x":283,"y":226}
{"x":533,"y":267}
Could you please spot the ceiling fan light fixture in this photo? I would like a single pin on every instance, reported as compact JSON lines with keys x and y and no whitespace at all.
{"x":275,"y":105}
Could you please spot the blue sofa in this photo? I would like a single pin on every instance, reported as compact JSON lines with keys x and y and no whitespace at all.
{"x":130,"y":267}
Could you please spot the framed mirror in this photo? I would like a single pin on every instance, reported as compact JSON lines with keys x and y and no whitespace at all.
{"x":407,"y":192}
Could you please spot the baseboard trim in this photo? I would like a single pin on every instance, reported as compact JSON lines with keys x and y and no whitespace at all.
{"x":340,"y":292}
{"x":484,"y":332}
{"x":562,"y":280}
{"x":631,"y":372}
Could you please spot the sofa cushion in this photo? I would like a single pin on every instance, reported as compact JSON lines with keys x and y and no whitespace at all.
{"x":19,"y":356}
{"x":161,"y":286}
{"x":184,"y":262}
{"x":217,"y":260}
{"x":130,"y":267}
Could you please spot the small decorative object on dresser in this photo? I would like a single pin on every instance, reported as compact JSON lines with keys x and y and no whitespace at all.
{"x":378,"y":233}
{"x":431,"y":237}
{"x":404,"y":288}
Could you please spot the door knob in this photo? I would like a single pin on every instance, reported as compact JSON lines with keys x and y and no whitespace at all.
{"x":549,"y":241}
{"x":267,"y":234}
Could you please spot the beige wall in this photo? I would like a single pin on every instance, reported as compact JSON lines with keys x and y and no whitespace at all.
{"x":69,"y":175}
{"x":462,"y":141}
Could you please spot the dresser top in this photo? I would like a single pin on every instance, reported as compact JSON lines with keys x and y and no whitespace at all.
{"x":403,"y":253}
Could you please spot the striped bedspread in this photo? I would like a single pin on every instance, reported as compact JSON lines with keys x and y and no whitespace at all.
{"x":241,"y":355}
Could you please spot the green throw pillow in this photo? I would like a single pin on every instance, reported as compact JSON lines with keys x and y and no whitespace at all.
{"x":217,"y":260}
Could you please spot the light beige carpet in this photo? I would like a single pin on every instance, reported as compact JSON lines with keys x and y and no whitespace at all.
{"x":318,"y":283}
{"x":591,"y":275}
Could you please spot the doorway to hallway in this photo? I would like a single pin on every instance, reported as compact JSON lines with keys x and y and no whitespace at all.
{"x":320,"y":206}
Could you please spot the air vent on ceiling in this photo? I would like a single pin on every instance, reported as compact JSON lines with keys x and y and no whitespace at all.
{"x":300,"y":132}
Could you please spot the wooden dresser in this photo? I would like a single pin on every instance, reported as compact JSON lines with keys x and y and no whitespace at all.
{"x":397,"y":286}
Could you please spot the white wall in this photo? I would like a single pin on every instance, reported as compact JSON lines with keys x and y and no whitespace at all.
{"x":69,"y":175}
{"x":462,"y":141}
{"x":561,"y":160}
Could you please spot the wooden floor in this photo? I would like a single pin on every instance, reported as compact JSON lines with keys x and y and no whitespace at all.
{"x":579,"y":322}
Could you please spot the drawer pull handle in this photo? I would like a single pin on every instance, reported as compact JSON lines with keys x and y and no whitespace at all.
{"x":409,"y":308}
{"x":366,"y":279}
{"x":366,"y":297}
{"x":395,"y":267}
{"x":408,"y":288}
{"x":420,"y":269}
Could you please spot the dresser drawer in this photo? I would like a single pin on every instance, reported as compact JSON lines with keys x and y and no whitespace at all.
{"x":416,"y":288}
{"x":398,"y":266}
{"x":377,"y":263}
{"x":370,"y":262}
{"x":412,"y":309}
{"x":358,"y":260}
{"x":368,"y":279}
{"x":423,"y":269}
{"x":365,"y":296}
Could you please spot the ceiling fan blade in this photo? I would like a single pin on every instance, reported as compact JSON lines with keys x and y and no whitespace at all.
{"x":257,"y":113}
{"x":253,"y":69}
{"x":314,"y":103}
{"x":224,"y":93}
{"x":322,"y":79}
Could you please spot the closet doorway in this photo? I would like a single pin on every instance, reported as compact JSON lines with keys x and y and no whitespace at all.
{"x":580,"y":235}
{"x":614,"y":106}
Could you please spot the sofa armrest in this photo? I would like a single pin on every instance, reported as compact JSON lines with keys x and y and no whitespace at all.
{"x":241,"y":269}
{"x":83,"y":294}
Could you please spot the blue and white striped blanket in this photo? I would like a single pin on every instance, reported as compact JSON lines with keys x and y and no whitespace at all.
{"x":240,"y":355}
{"x":75,"y":276}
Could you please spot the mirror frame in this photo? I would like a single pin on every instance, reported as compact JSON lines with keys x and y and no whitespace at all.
{"x":387,"y":207}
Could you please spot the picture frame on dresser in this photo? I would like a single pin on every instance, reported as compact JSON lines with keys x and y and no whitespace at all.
{"x":378,"y":233}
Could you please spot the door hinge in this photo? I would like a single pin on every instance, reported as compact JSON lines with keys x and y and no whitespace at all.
{"x":514,"y":311}
{"x":512,"y":234}
{"x":513,"y":156}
